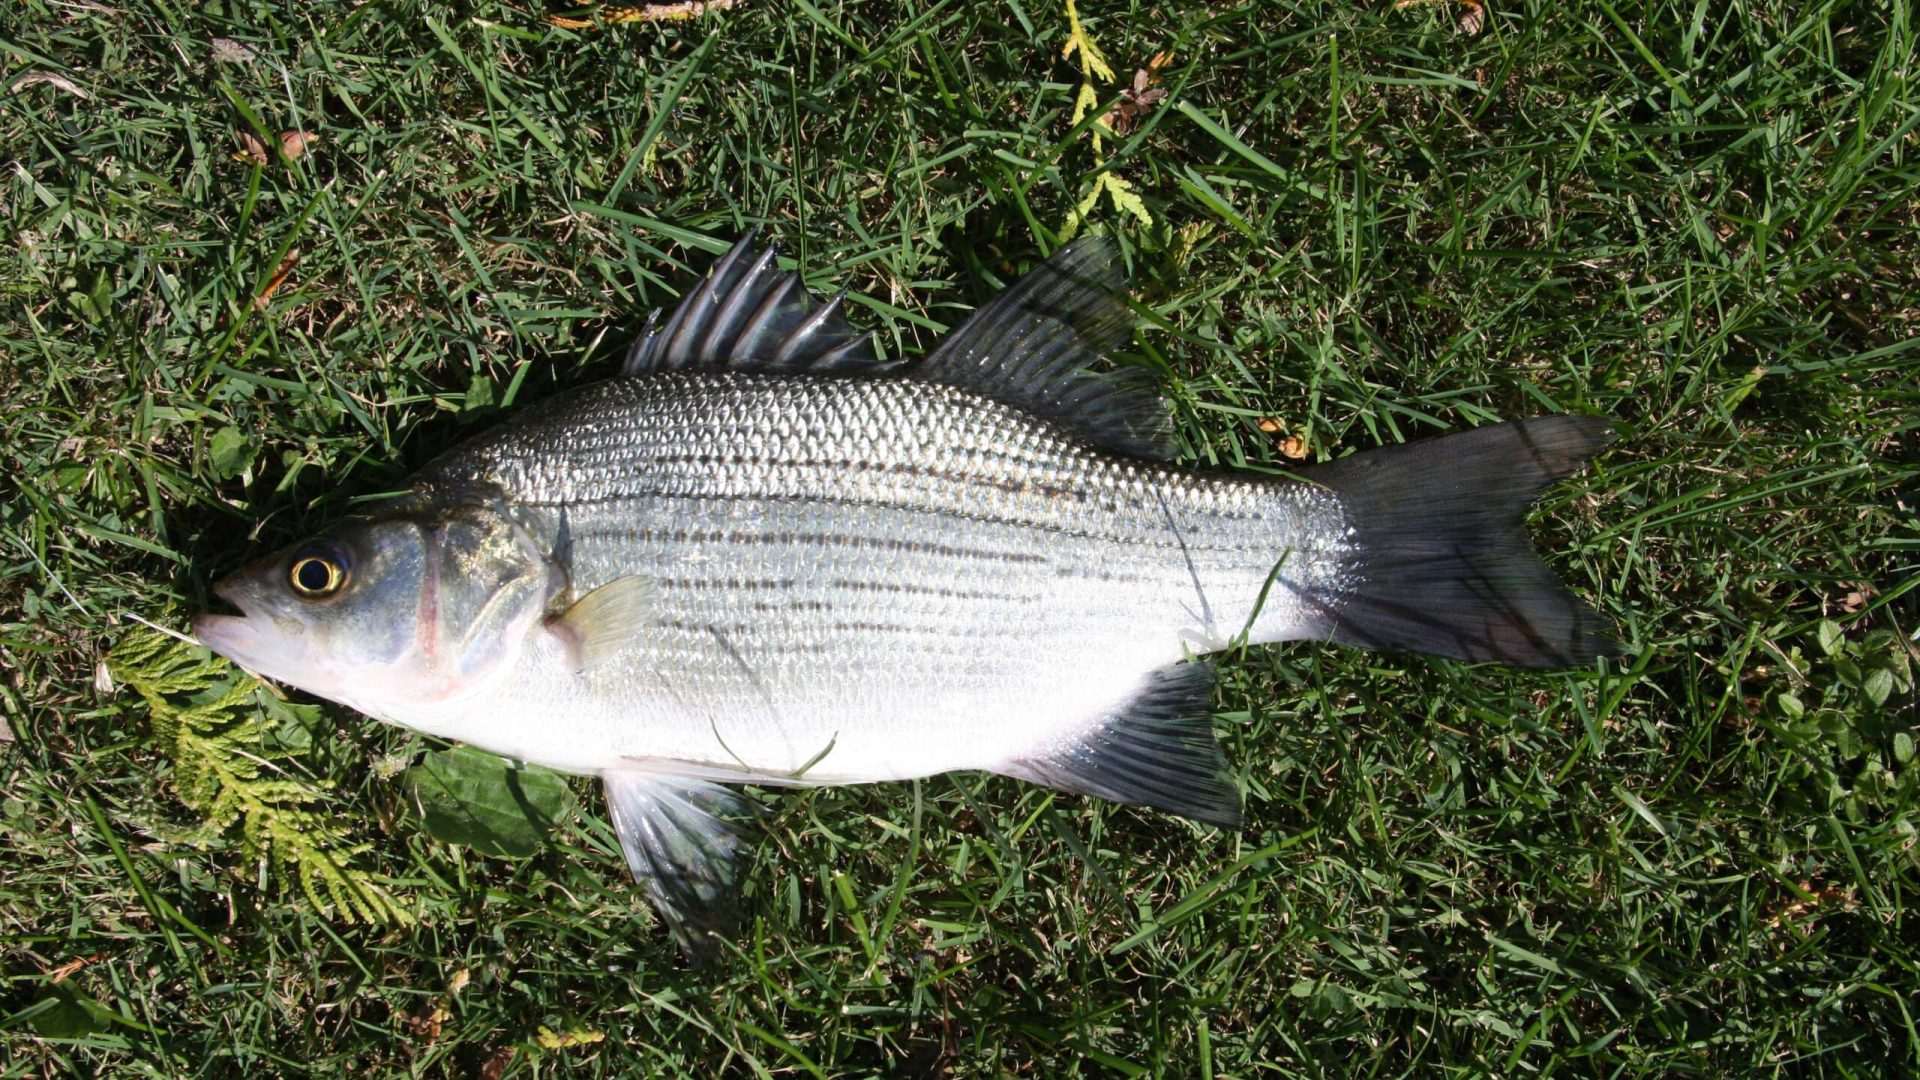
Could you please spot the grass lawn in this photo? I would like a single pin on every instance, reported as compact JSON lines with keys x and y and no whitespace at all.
{"x":1368,"y":223}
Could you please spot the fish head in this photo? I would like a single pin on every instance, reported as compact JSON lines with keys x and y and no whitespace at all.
{"x":384,"y":613}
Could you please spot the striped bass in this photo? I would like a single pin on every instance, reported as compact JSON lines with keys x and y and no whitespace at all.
{"x":762,"y":555}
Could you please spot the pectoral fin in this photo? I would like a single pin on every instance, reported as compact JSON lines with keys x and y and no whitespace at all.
{"x":604,"y":621}
{"x":681,"y":842}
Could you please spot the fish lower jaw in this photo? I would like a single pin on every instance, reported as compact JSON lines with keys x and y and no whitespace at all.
{"x":238,"y":638}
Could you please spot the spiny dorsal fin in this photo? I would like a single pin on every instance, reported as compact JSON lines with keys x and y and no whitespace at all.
{"x":1032,"y":347}
{"x":749,"y":315}
{"x":1157,"y":750}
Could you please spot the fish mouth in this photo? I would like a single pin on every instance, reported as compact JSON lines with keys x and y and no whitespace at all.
{"x":236,"y":637}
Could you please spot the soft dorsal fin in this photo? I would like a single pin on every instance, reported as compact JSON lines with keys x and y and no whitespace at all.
{"x":749,"y":315}
{"x":1033,"y":345}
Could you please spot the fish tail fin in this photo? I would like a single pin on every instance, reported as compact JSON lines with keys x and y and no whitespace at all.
{"x":1444,"y":565}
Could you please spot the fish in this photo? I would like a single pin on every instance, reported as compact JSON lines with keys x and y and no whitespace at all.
{"x":762,"y":554}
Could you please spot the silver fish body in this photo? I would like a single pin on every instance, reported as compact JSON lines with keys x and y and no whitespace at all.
{"x":872,"y":579}
{"x":763,"y":555}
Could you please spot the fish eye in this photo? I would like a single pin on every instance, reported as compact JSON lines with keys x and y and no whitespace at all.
{"x":317,"y":574}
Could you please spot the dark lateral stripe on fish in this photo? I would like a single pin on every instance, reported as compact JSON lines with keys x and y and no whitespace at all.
{"x":704,"y":463}
{"x":1091,"y":572}
{"x":791,"y":605}
{"x":749,"y":629}
{"x":909,"y":629}
{"x":1185,"y":541}
{"x":941,"y":591}
{"x":700,"y":644}
{"x":1097,"y":573}
{"x":698,"y":536}
{"x":1006,"y":478}
{"x":738,"y":584}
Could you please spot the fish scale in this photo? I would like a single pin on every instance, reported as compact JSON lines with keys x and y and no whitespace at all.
{"x":762,"y":554}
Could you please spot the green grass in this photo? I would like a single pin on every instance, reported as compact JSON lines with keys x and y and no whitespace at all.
{"x":1702,"y":221}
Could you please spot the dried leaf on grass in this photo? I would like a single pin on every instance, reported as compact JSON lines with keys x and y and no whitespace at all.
{"x":1473,"y":13}
{"x":1473,"y":17}
{"x":228,"y":51}
{"x":48,"y":78}
{"x":1140,"y":98}
{"x":278,"y":279}
{"x":251,"y":149}
{"x":1293,"y":447}
{"x":293,"y":145}
{"x":496,"y":1064}
{"x":1811,"y":900}
{"x":425,"y":1024}
{"x":61,"y":973}
{"x":680,"y":12}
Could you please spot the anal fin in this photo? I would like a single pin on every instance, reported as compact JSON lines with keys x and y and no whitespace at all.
{"x":681,"y":843}
{"x":1156,"y":750}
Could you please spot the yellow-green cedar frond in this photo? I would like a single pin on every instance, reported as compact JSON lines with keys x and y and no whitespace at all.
{"x":1118,"y":191}
{"x":1085,"y":102}
{"x":1093,"y":65}
{"x":1092,"y":62}
{"x":1078,"y":215}
{"x":1125,"y":198}
{"x":206,"y":717}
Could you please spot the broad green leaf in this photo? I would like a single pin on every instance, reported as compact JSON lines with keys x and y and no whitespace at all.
{"x":63,"y":1013}
{"x":293,"y":724}
{"x":231,"y":452}
{"x":467,"y":796}
{"x":1829,"y":636}
{"x":1879,"y":685}
{"x":479,"y":392}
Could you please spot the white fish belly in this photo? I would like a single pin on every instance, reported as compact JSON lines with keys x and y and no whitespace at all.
{"x":798,"y":643}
